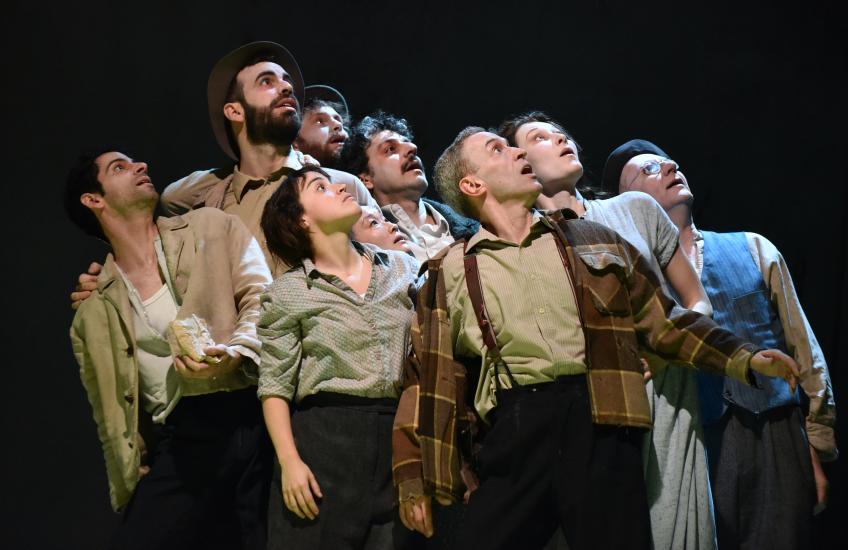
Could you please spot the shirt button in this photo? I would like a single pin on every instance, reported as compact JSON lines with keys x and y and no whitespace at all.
{"x":533,"y":276}
{"x":541,"y":310}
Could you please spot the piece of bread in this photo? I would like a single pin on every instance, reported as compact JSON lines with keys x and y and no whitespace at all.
{"x":190,"y":336}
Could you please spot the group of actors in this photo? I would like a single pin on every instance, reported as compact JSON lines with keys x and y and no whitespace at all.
{"x":301,"y":351}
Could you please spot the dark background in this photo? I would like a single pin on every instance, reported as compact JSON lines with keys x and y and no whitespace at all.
{"x":749,"y":100}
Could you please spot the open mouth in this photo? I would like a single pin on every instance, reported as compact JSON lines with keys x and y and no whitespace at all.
{"x":143,"y":181}
{"x":399,"y":239}
{"x":414,"y":164}
{"x":527,"y":169}
{"x":677,"y":181}
{"x":288,"y":103}
{"x":567,"y":151}
{"x":337,"y":139}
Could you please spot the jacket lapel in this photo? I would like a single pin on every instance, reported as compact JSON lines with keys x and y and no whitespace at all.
{"x":178,"y":244}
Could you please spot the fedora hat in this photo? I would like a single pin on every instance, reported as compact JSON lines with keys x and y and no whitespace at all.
{"x":327,"y":93}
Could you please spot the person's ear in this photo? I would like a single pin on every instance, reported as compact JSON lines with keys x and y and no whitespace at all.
{"x":365,"y":177}
{"x":234,"y":111}
{"x":92,"y":201}
{"x":472,"y":186}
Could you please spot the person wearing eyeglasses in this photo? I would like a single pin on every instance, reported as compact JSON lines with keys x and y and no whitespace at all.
{"x":675,"y":467}
{"x":765,"y":457}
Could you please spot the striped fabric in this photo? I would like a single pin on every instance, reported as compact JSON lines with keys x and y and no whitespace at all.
{"x":624,"y":308}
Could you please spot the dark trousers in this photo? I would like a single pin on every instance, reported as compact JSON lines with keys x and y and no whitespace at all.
{"x":544,"y":465}
{"x":347,"y":443}
{"x":762,"y":479}
{"x":209,"y":478}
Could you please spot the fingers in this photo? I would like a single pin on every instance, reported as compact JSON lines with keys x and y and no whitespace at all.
{"x":313,"y":484}
{"x":406,"y":515}
{"x":291,"y":504}
{"x":93,"y":269}
{"x":88,"y":284}
{"x":143,"y":471}
{"x":305,"y":501}
{"x":428,"y":517}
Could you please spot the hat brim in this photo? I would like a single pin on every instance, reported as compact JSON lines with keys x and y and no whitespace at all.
{"x":221,"y":78}
{"x":326,"y":93}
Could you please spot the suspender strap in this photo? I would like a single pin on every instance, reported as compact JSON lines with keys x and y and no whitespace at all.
{"x":478,"y":303}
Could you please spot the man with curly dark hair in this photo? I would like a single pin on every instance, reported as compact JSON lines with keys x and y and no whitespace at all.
{"x":382,"y":154}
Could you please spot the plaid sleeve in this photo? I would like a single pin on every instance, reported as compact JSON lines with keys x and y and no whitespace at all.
{"x":406,"y":445}
{"x":679,"y":334}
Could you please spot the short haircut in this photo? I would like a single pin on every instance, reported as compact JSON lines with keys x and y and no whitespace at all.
{"x":451,"y":167}
{"x":354,"y":158}
{"x":81,"y":179}
{"x":315,"y":104}
{"x":285,"y":237}
{"x":509,"y":128}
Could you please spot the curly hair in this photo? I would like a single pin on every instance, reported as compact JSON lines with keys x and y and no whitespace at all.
{"x":285,"y":237}
{"x":354,"y":158}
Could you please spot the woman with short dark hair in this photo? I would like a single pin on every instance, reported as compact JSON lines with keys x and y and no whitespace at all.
{"x":335,"y":334}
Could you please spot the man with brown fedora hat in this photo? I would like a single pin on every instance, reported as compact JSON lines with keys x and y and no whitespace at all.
{"x":254,"y":95}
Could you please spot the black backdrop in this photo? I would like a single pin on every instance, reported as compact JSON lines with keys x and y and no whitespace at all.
{"x":748,"y":100}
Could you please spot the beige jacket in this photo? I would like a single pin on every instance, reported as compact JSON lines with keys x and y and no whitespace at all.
{"x":218,"y":273}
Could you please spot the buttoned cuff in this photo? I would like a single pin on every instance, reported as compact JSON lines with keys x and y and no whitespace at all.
{"x":739,"y":367}
{"x":410,"y":489}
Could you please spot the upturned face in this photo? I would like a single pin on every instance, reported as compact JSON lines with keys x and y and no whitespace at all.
{"x":393,"y":165}
{"x":322,"y":135}
{"x":125,"y":182}
{"x":504,"y":170}
{"x":552,"y":154}
{"x":326,"y":205}
{"x":373,"y":228}
{"x":270,"y":111}
{"x":657,"y":176}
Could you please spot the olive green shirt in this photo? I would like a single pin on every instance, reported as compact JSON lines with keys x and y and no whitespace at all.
{"x":531,"y":307}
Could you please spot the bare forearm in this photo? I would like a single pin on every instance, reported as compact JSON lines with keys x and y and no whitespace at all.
{"x":684,"y":280}
{"x":277,"y":415}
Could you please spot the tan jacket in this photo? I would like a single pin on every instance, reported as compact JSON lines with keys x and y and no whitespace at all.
{"x":218,"y":272}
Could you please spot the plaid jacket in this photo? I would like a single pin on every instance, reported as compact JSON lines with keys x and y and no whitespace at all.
{"x":623,"y":307}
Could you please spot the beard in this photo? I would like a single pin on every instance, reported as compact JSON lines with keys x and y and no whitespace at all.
{"x":263,"y":127}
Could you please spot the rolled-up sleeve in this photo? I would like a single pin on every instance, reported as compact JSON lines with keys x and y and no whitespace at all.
{"x":279,"y":332}
{"x":801,"y":343}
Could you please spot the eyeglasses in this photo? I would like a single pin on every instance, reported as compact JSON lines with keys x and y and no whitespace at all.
{"x":653,"y":167}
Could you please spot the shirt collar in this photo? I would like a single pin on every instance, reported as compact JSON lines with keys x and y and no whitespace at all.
{"x":423,"y":207}
{"x":242,"y":183}
{"x":540,"y":224}
{"x":375,"y":255}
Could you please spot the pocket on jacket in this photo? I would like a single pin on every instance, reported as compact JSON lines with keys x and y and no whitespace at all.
{"x":607,"y":270}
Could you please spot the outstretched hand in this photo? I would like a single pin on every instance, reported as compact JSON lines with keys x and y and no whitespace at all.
{"x":773,"y":362}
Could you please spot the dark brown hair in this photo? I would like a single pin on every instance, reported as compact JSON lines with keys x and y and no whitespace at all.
{"x":509,"y":128}
{"x":285,"y":237}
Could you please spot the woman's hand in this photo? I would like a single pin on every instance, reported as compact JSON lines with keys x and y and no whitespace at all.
{"x":300,"y":489}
